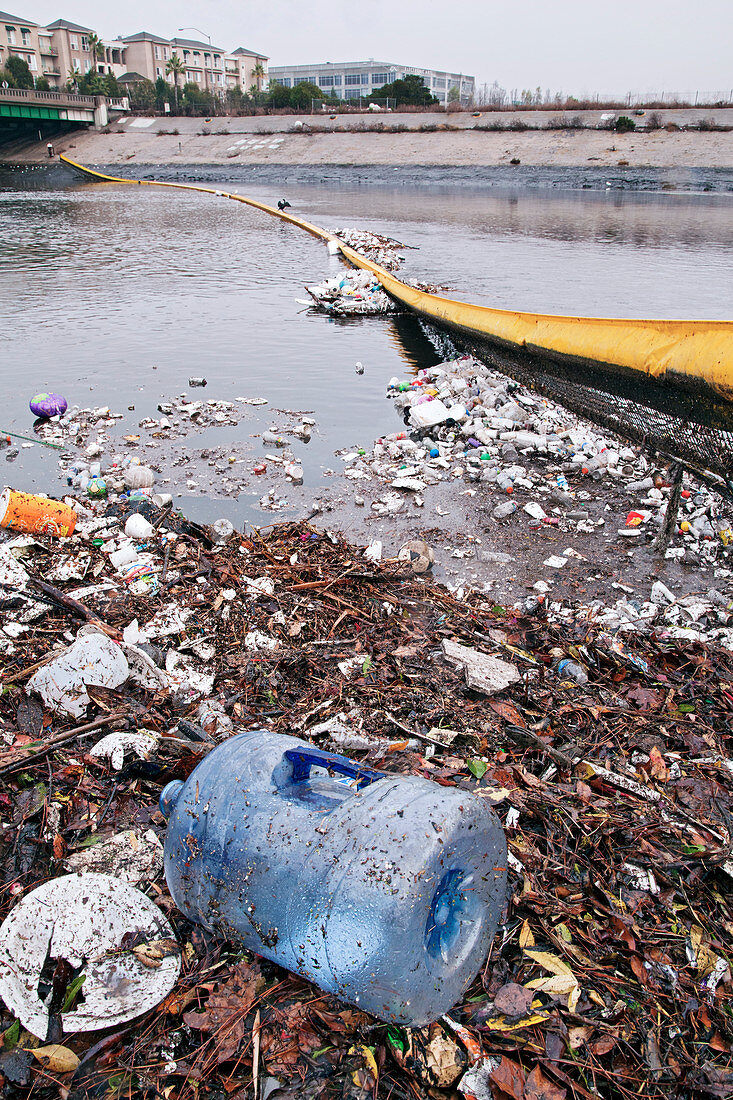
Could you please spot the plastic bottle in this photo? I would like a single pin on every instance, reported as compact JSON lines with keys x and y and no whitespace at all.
{"x":503,"y":511}
{"x":571,"y":670}
{"x":385,"y":890}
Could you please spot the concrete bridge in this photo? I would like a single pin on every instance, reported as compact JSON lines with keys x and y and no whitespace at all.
{"x":28,"y":105}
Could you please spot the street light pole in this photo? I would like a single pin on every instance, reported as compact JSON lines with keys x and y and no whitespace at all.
{"x":211,"y":51}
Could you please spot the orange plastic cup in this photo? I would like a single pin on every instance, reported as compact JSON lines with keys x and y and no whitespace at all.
{"x":35,"y":515}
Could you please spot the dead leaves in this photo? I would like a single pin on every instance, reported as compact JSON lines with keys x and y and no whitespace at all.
{"x":226,"y":1009}
{"x":287,"y":1034}
{"x":512,"y":1082}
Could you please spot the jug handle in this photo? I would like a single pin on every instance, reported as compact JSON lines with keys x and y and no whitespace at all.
{"x":306,"y":758}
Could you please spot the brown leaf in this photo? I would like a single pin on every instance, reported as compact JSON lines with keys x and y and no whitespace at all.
{"x":513,"y":1000}
{"x":507,"y":712}
{"x":540,"y":1087}
{"x":509,"y":1077}
{"x":227,"y":1008}
{"x":57,"y":1059}
{"x":603,"y":1045}
{"x":640,"y":972}
{"x":645,"y":698}
{"x":657,"y":766}
{"x":29,"y":716}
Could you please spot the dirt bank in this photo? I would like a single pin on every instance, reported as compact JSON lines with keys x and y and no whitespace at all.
{"x":156,"y":141}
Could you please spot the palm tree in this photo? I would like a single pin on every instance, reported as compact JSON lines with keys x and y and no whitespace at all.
{"x":176,"y":67}
{"x":95,"y":48}
{"x":258,"y":73}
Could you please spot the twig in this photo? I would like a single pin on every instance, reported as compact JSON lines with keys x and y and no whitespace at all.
{"x":60,"y":739}
{"x":414,"y":733}
{"x":74,"y":605}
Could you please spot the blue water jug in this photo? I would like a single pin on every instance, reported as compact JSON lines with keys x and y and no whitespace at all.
{"x":383,"y":889}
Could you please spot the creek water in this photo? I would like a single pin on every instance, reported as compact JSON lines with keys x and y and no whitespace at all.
{"x":116,"y":295}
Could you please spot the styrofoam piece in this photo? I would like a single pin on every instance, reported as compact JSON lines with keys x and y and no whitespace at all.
{"x":130,"y":856}
{"x":429,"y":414}
{"x":83,"y":918}
{"x":92,"y":661}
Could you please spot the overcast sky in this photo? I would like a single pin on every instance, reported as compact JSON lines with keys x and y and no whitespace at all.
{"x":572,"y":46}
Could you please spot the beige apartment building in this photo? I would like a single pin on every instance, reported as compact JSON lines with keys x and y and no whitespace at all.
{"x":63,"y":49}
{"x":209,"y":66}
{"x":56,"y":51}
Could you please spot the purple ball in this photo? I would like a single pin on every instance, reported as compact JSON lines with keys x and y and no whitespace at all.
{"x":48,"y":404}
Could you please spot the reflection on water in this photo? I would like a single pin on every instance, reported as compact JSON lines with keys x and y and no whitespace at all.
{"x":117,"y":294}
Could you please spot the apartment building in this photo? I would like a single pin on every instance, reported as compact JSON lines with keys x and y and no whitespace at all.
{"x":62,"y":49}
{"x":246,"y":69}
{"x":355,"y":79}
{"x":55,"y":52}
{"x":205,"y":64}
{"x":19,"y":37}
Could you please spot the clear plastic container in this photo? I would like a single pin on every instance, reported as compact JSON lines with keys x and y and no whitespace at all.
{"x":383,"y":889}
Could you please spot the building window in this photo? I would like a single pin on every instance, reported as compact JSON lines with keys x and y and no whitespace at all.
{"x":166,"y":53}
{"x":352,"y":78}
{"x":207,"y":59}
{"x":304,"y":80}
{"x":325,"y":81}
{"x":217,"y":59}
{"x":74,"y":42}
{"x":379,"y":78}
{"x":189,"y":77}
{"x":32,"y":63}
{"x":84,"y":42}
{"x":196,"y":57}
{"x":438,"y":83}
{"x":158,"y":70}
{"x":156,"y":51}
{"x":87,"y":65}
{"x":283,"y":81}
{"x":10,"y":31}
{"x":25,"y":35}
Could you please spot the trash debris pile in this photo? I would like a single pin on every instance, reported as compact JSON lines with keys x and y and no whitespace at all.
{"x":533,"y":465}
{"x":101,"y":459}
{"x":132,"y":649}
{"x":351,"y":294}
{"x":381,"y":250}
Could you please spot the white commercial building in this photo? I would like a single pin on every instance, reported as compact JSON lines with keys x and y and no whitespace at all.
{"x":357,"y":79}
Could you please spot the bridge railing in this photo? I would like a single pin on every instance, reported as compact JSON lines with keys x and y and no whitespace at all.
{"x":60,"y":99}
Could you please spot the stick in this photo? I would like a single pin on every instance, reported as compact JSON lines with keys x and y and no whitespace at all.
{"x":661,"y":542}
{"x":27,"y":439}
{"x":60,"y":739}
{"x":414,"y":733}
{"x":518,"y":734}
{"x":74,"y":605}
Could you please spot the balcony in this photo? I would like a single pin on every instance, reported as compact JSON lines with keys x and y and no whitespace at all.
{"x":51,"y":72}
{"x":49,"y":51}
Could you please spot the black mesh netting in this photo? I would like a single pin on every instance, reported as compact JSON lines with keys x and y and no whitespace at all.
{"x":694,"y":429}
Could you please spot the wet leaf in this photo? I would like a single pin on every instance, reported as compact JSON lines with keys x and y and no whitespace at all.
{"x":477,"y":768}
{"x":509,"y":1077}
{"x":56,"y":1058}
{"x":540,"y":1087}
{"x":550,"y":962}
{"x":227,"y":1007}
{"x":657,"y":766}
{"x":513,"y":1000}
{"x":508,"y":712}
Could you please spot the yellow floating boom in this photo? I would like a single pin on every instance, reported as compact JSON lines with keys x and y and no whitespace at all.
{"x":694,"y":355}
